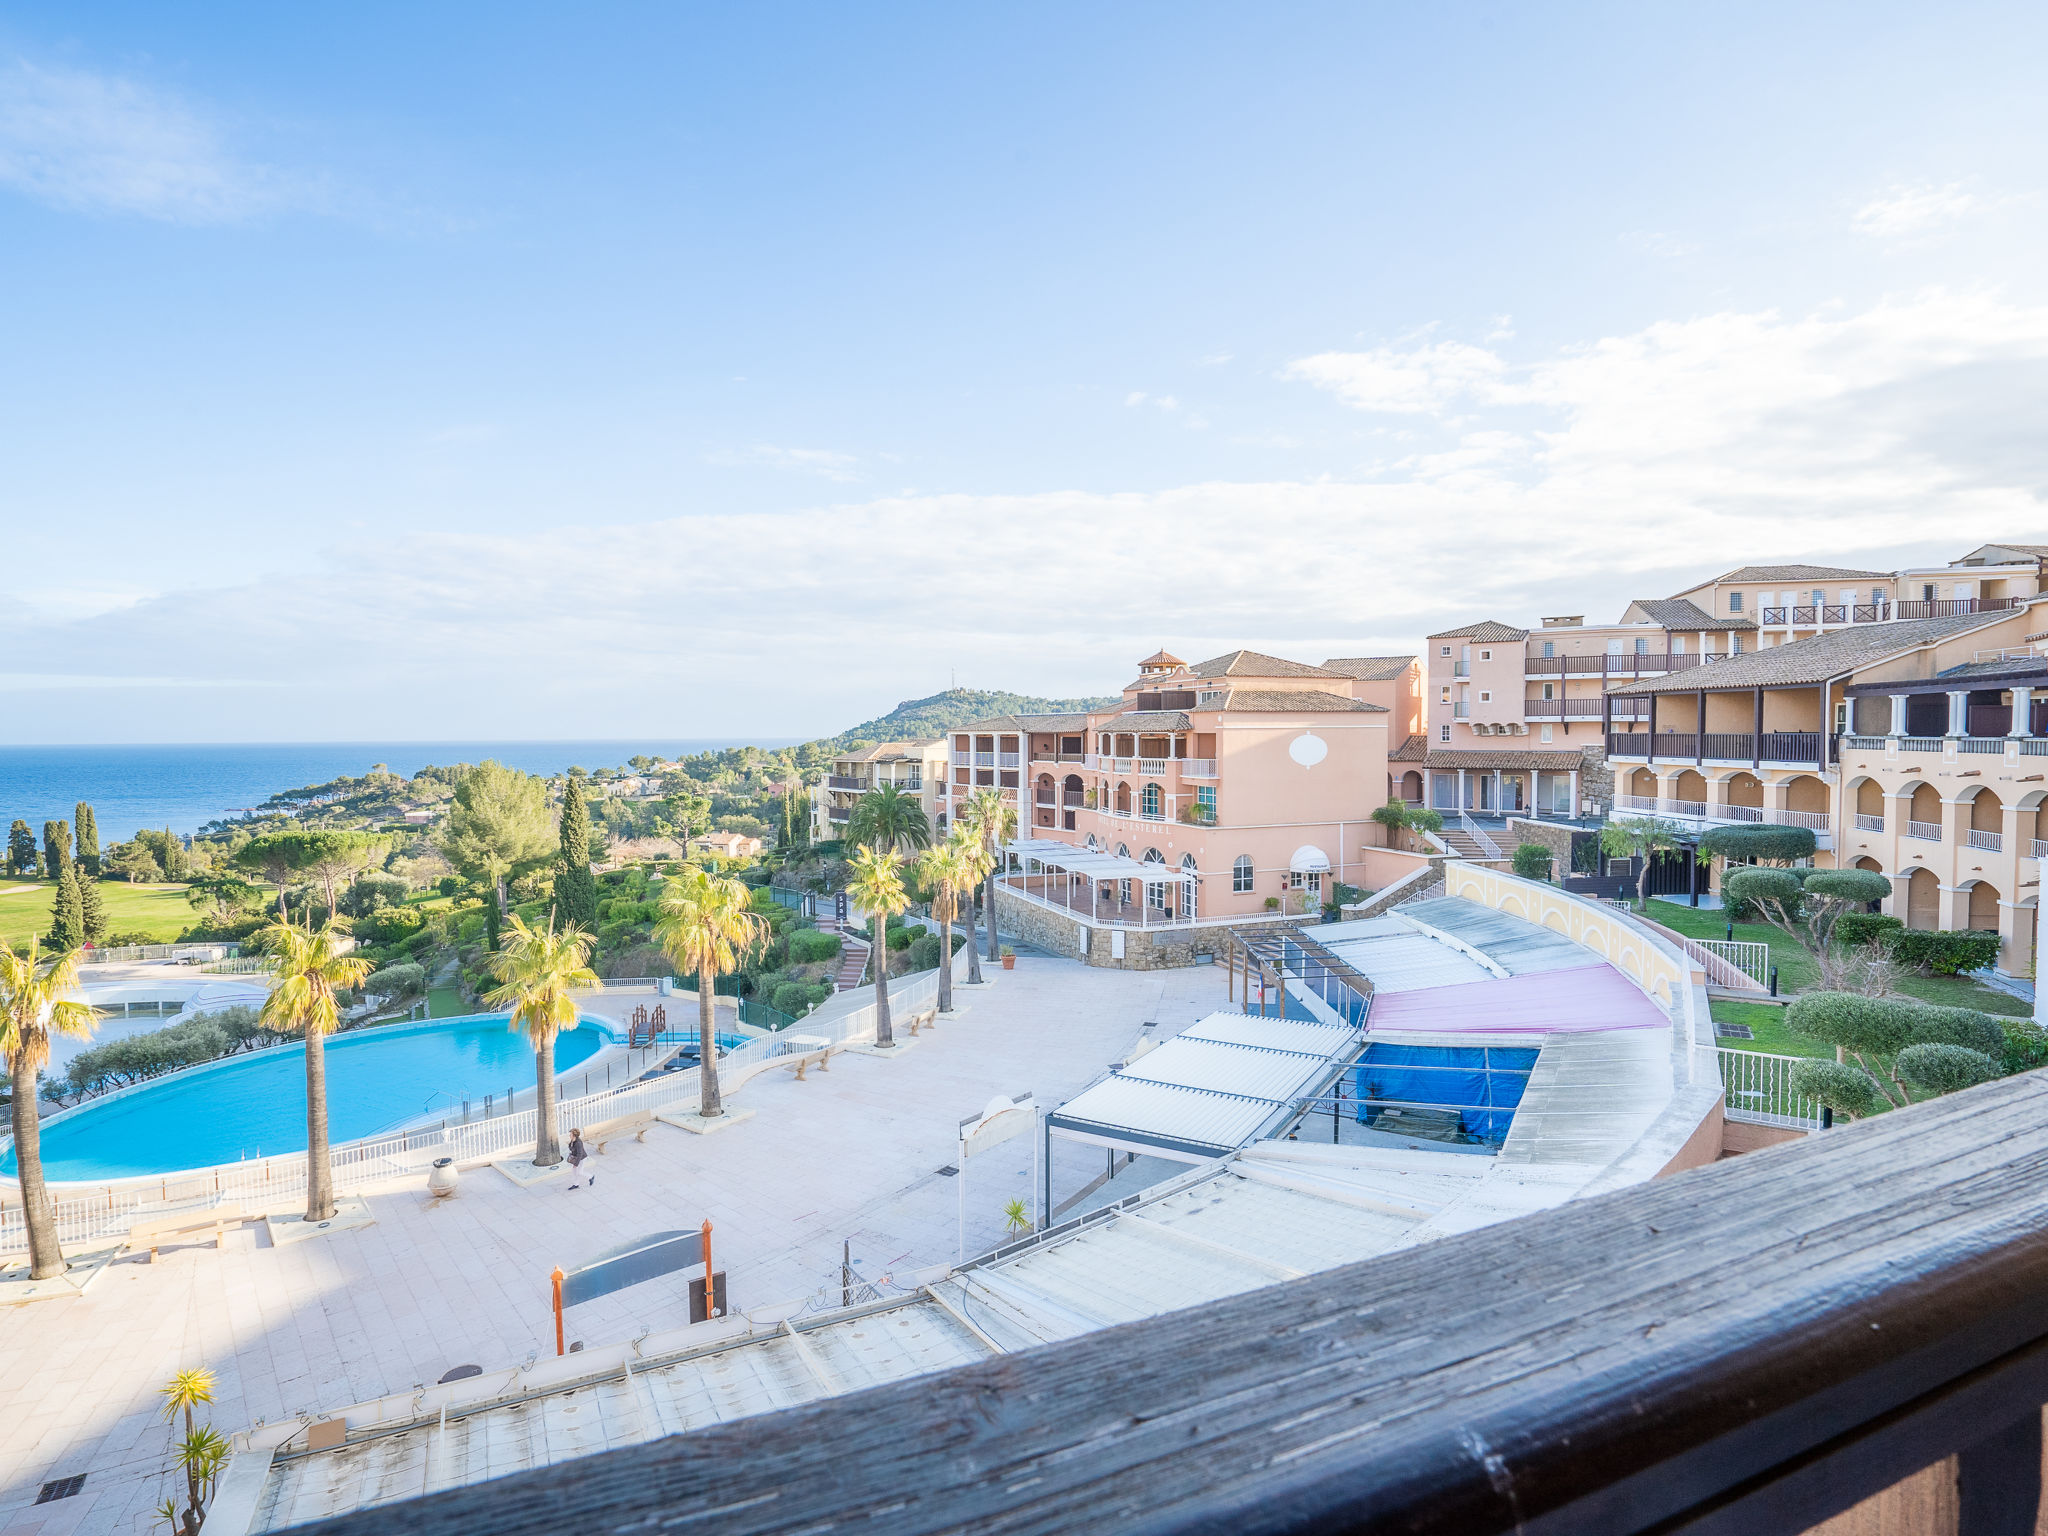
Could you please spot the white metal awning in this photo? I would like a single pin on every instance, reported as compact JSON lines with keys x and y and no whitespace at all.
{"x":1097,"y":866}
{"x":1309,"y":860}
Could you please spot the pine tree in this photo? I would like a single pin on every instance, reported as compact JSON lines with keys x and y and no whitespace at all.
{"x":575,"y":886}
{"x":88,"y":830}
{"x":92,"y":911}
{"x":21,"y":849}
{"x":56,"y":848}
{"x":67,"y":912}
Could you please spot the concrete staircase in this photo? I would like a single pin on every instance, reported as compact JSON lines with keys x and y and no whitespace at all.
{"x":853,"y":961}
{"x":1460,"y":842}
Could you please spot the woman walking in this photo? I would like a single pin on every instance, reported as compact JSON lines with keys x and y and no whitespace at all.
{"x":577,"y":1153}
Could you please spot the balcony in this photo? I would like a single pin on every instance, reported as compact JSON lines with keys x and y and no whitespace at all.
{"x":987,"y":760}
{"x":962,"y":759}
{"x":1924,"y":831}
{"x":1198,"y":767}
{"x":1705,"y":812}
{"x":2039,"y":849}
{"x":1564,"y":709}
{"x":1008,"y":760}
{"x":1461,"y":669}
{"x":1990,"y":842}
{"x":1461,"y":711}
{"x":1811,"y":615}
{"x":1154,"y":767}
{"x":1869,"y":823}
{"x":841,"y":781}
{"x":1802,"y":748}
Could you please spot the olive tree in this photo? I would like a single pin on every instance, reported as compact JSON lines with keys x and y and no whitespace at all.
{"x":1805,"y":905}
{"x":1892,"y":1043}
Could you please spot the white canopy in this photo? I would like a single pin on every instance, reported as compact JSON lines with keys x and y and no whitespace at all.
{"x":1097,"y":866}
{"x":1309,"y":860}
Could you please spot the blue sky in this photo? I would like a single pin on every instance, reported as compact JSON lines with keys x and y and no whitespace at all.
{"x":589,"y":371}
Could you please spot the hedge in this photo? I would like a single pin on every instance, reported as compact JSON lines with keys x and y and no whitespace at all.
{"x":1867,"y":929}
{"x":1947,"y":952}
{"x":1771,"y":844}
{"x":811,"y":945}
{"x":1936,"y":1068}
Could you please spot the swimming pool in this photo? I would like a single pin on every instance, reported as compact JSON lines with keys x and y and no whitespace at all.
{"x":254,"y":1105}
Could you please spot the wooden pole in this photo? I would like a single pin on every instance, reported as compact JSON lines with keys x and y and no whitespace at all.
{"x":560,"y":1349}
{"x":710,"y":1285}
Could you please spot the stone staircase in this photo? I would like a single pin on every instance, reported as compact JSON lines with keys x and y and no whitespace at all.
{"x":1460,"y":843}
{"x":853,"y":960}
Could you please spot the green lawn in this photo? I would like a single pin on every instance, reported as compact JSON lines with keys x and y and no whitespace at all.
{"x":1795,"y":966}
{"x":1767,"y":1022}
{"x":445,"y":1002}
{"x":160,"y":911}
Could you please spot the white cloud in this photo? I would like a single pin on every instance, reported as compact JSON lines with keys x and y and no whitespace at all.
{"x":1420,"y":379}
{"x":101,"y":143}
{"x":1567,"y":483}
{"x":823,"y":462}
{"x":1916,"y":209}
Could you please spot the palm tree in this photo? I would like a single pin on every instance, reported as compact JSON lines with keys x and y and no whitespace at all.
{"x":538,"y":969}
{"x":708,"y":927}
{"x":950,"y":870}
{"x":977,"y":861}
{"x":877,"y":887}
{"x":32,"y":1010}
{"x":994,"y":822}
{"x":312,"y":970}
{"x":889,"y":820}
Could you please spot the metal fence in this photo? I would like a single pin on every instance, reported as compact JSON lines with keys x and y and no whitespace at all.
{"x":1746,"y":955}
{"x":118,"y":952}
{"x":101,"y":1212}
{"x":1757,"y":1087}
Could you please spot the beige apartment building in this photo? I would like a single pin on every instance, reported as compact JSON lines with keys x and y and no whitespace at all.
{"x":1517,"y":717}
{"x":915,"y":767}
{"x":1914,"y":748}
{"x":1210,"y":791}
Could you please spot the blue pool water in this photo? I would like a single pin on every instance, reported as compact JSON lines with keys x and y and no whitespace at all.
{"x":255,"y":1105}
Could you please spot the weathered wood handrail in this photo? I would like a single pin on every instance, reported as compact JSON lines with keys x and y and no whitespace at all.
{"x":1749,"y":1347}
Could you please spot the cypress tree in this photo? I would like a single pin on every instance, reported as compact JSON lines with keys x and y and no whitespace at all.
{"x":21,"y":849}
{"x":56,"y":848}
{"x":67,"y":912}
{"x":88,"y":829}
{"x":492,"y":919}
{"x":92,"y":910}
{"x":575,"y":886}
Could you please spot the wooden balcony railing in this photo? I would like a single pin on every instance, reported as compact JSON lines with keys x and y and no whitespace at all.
{"x":1752,"y":1346}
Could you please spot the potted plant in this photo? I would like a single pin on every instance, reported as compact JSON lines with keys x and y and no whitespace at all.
{"x":1272,"y":903}
{"x":1009,"y":958}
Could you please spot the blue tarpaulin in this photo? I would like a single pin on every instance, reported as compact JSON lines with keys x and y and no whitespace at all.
{"x":1483,"y":1082}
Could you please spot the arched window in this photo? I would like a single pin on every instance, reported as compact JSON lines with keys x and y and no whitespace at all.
{"x":1241,"y":874}
{"x":1123,"y":850}
{"x":1123,"y":799}
{"x":1092,"y":844}
{"x":1155,"y":802}
{"x":1155,"y":890}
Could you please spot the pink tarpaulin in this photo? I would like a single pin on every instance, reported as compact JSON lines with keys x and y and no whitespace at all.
{"x":1584,"y":998}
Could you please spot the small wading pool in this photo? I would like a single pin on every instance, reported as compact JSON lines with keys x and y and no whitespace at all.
{"x":255,"y":1105}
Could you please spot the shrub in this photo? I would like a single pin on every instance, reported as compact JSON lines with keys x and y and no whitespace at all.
{"x":1966,"y":1027}
{"x":810,"y":944}
{"x":448,"y":885}
{"x":902,"y":938}
{"x":1839,"y":1086}
{"x":1754,"y":886}
{"x":1947,"y":952}
{"x":1936,"y":1068}
{"x":400,"y":980}
{"x":1425,"y":820}
{"x":1867,"y":929}
{"x":792,"y":997}
{"x":1860,"y":885}
{"x":1532,"y":861}
{"x":1770,"y":845}
{"x":1877,"y":1025}
{"x":388,"y":925}
{"x":924,"y":952}
{"x":374,"y":890}
{"x":2026,"y":1045}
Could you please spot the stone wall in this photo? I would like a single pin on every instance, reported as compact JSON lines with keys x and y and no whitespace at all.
{"x":1552,"y":836}
{"x":1596,"y":779}
{"x":1154,"y":949}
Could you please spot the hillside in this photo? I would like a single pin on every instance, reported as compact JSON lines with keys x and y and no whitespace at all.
{"x":915,"y":718}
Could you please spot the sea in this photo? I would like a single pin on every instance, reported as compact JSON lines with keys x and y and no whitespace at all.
{"x":184,"y":787}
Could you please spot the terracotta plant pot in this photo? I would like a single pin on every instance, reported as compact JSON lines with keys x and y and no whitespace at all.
{"x":1009,"y":962}
{"x":442,"y":1181}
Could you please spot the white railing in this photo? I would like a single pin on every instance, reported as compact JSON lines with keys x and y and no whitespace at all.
{"x":1869,"y":823}
{"x":1990,"y":842}
{"x":1739,"y":813}
{"x":1198,"y":767}
{"x":2040,"y":850}
{"x":1488,"y":848}
{"x":242,"y":965}
{"x":1687,"y":808}
{"x":1154,"y":766}
{"x":1864,"y":743}
{"x":1818,"y":820}
{"x":1987,"y":746}
{"x":1007,"y":759}
{"x":1757,"y":1087}
{"x":984,"y":759}
{"x":1647,"y":804}
{"x":120,"y":952}
{"x":1920,"y":743}
{"x":88,"y":1212}
{"x":1924,"y":831}
{"x":962,"y":759}
{"x":1746,"y":955}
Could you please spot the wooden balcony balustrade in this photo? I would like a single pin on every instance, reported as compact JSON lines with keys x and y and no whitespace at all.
{"x":1756,"y":1345}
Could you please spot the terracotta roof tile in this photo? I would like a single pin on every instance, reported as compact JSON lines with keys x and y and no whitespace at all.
{"x":1292,"y":700}
{"x":1486,"y":762}
{"x":1488,"y":630}
{"x":1683,"y":617}
{"x":1816,"y":658}
{"x":1370,"y":669}
{"x":1256,"y":664}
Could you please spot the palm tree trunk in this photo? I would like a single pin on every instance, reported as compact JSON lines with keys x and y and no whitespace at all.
{"x":547,"y":1135}
{"x":878,"y":956}
{"x":45,"y":1254}
{"x":973,"y":950}
{"x":710,"y":1102}
{"x":946,"y":962}
{"x":319,"y":1166}
{"x":991,"y":914}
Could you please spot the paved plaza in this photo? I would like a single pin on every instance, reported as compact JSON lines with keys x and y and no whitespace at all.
{"x":852,"y":1156}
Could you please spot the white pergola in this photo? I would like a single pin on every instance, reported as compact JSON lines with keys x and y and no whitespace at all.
{"x":1051,"y":857}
